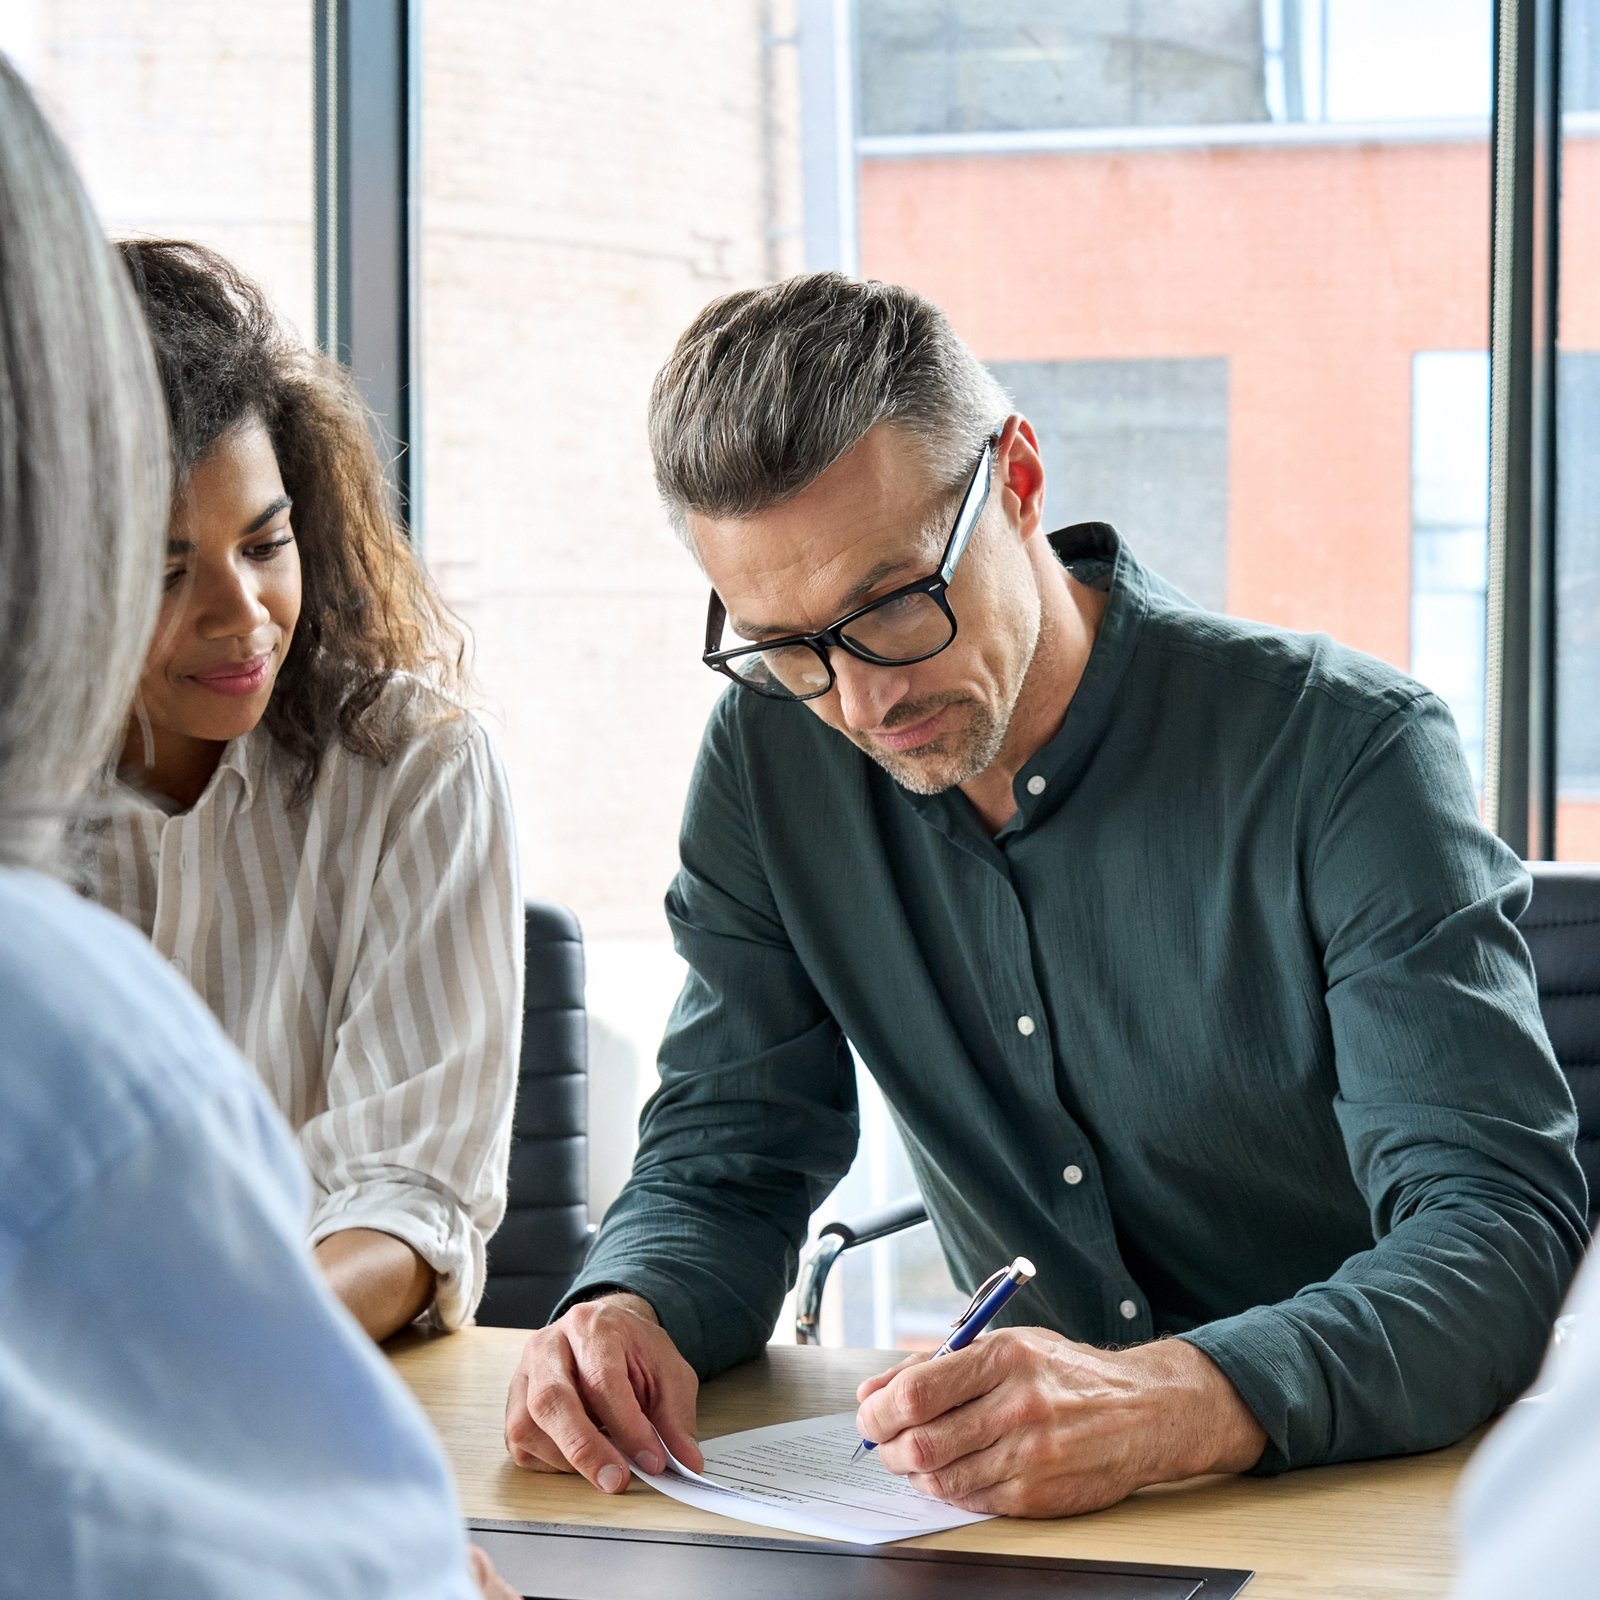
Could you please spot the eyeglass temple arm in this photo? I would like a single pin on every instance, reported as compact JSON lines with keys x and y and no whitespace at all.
{"x":716,"y":615}
{"x":959,"y":536}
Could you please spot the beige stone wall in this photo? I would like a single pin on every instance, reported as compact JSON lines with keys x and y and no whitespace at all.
{"x":187,"y":117}
{"x":593,"y":175}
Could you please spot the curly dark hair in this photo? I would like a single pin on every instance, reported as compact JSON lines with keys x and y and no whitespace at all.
{"x":369,"y":611}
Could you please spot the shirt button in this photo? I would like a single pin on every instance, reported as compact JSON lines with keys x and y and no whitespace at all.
{"x":1036,"y":784}
{"x":1072,"y":1174}
{"x":1025,"y":1027}
{"x":155,"y":860}
{"x":1129,"y":1310}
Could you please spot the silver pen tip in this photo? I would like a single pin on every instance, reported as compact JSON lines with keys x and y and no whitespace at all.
{"x":856,"y":1455}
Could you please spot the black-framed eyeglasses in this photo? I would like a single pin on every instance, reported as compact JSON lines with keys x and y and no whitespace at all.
{"x":908,"y":624}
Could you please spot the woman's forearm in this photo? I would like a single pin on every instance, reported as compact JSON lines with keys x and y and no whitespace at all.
{"x":381,"y":1279}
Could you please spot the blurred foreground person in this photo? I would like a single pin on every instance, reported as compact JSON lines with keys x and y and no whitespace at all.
{"x":185,"y":1410}
{"x":1526,"y":1512}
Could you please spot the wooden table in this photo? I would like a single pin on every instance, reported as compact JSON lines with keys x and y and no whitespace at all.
{"x":1375,"y":1529}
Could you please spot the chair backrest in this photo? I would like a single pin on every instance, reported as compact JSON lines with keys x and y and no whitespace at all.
{"x":1562,"y":927}
{"x":545,"y":1235}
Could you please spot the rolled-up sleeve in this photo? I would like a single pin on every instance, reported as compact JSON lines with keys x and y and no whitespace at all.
{"x":415,"y":1136}
{"x":1458,"y":1125}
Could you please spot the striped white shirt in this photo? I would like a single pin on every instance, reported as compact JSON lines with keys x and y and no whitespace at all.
{"x":364,"y":952}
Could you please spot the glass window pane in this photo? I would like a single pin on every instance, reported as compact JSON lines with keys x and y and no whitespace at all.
{"x":591,"y":178}
{"x":1577,"y":460}
{"x":1578,"y":596}
{"x":1145,"y":440}
{"x":977,"y":66}
{"x":190,"y":120}
{"x":1450,"y":534}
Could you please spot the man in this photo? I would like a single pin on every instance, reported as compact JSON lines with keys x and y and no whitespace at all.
{"x":1174,"y":942}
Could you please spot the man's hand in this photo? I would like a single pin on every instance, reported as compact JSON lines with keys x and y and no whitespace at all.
{"x":607,"y":1364}
{"x":1028,"y":1424}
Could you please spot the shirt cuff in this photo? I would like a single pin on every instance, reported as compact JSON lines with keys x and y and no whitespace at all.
{"x":674,"y":1307}
{"x":436,"y":1228}
{"x":1261,"y":1355}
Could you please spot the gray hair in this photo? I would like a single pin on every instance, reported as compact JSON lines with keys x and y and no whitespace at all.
{"x":769,"y":387}
{"x":84,"y":485}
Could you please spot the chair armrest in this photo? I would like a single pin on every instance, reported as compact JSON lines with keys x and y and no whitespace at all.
{"x":835,"y":1239}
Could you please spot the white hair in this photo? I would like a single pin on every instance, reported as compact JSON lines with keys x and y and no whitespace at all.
{"x":84,"y":480}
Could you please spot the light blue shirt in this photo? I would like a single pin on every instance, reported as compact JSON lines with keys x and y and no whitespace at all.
{"x":1527,"y":1513}
{"x":185,"y":1410}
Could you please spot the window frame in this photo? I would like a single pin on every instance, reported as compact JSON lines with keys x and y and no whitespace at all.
{"x":367,"y":64}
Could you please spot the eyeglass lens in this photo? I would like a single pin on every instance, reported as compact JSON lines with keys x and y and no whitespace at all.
{"x":907,"y":628}
{"x":904,"y":629}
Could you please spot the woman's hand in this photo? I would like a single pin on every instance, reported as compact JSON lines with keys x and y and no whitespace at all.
{"x":490,"y":1584}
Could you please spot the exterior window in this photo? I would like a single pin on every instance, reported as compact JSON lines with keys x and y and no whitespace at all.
{"x":1578,"y":605}
{"x":1450,"y":534}
{"x":1142,"y":445}
{"x":963,"y":66}
{"x":943,"y":67}
{"x":187,"y":119}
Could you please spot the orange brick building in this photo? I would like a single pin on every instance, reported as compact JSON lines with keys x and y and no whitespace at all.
{"x":1319,"y":271}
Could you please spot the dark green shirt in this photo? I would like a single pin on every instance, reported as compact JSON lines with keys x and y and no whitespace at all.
{"x":1243,"y":965}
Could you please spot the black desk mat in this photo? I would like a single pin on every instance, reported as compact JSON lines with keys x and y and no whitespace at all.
{"x":565,"y":1561}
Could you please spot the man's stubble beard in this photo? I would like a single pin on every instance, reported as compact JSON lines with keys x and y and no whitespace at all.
{"x":950,"y":760}
{"x":967,"y":752}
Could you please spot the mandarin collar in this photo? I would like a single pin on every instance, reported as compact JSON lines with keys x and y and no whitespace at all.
{"x":1096,"y":555}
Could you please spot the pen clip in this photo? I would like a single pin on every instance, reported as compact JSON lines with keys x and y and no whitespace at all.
{"x":978,"y":1294}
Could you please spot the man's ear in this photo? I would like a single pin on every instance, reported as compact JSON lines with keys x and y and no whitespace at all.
{"x":1022,"y":475}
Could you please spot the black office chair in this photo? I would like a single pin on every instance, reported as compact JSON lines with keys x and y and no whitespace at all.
{"x":545,"y":1235}
{"x":1562,"y":927}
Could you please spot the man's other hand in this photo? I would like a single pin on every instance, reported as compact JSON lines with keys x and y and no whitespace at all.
{"x":1025,"y":1423}
{"x":606,"y":1368}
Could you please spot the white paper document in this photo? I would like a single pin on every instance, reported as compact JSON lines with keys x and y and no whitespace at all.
{"x":798,"y":1476}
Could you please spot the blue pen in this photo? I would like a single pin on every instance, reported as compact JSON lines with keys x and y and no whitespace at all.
{"x":992,"y":1294}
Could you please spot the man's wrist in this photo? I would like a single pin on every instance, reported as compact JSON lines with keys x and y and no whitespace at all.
{"x":627,"y":1299}
{"x":1217,"y":1431}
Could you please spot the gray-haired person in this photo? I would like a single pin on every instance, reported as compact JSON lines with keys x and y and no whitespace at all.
{"x":1174,"y":942}
{"x":185,"y":1411}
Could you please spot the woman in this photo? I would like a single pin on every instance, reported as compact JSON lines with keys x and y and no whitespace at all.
{"x":183,"y":1409}
{"x":316,"y":834}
